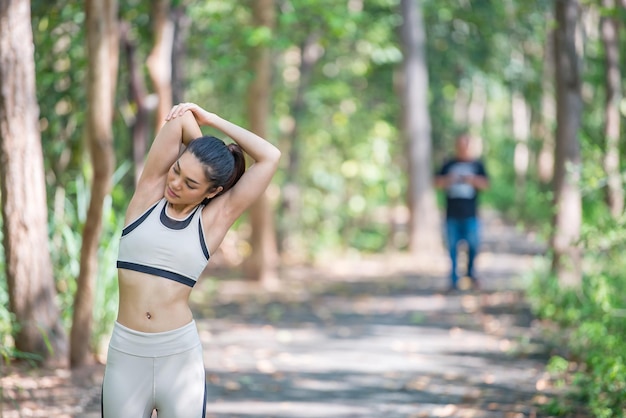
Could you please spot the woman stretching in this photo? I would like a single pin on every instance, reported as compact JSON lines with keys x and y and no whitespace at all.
{"x":179,"y":214}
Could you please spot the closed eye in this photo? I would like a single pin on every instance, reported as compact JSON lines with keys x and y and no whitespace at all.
{"x":187,"y":183}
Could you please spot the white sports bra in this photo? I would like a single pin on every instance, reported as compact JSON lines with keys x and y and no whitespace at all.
{"x":162,"y":246}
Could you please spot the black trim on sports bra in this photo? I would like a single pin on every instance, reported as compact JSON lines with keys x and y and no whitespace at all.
{"x":156,"y":272}
{"x":138,"y":222}
{"x":175,"y":223}
{"x":205,"y":250}
{"x":206,"y":396}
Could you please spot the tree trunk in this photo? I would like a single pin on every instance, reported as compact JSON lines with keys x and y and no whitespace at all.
{"x":160,"y":60}
{"x":263,"y":262}
{"x":138,"y":95}
{"x":291,"y":196}
{"x":566,"y":263}
{"x":545,"y":158}
{"x":102,"y":54}
{"x":610,"y":38}
{"x":460,"y":107}
{"x":28,"y":266}
{"x":520,"y":116}
{"x":477,"y":108}
{"x":182,"y":23}
{"x":424,"y":233}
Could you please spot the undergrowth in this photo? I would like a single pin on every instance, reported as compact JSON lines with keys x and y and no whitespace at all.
{"x":592,"y":322}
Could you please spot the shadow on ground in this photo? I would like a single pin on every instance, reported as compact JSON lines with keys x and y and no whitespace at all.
{"x":372,"y":337}
{"x":389,"y":347}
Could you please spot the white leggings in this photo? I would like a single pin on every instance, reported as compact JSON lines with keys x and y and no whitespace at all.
{"x":148,"y":371}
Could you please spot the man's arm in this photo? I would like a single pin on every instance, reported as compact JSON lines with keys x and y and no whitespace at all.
{"x":443,"y":178}
{"x":443,"y":181}
{"x":480,"y":180}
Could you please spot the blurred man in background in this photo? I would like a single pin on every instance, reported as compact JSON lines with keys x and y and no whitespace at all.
{"x":462,"y":177}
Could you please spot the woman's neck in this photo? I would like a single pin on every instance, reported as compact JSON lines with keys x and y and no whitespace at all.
{"x":179,"y":211}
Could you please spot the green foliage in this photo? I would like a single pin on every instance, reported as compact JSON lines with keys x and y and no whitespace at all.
{"x":65,"y":226}
{"x":8,"y":327}
{"x":350,"y":113}
{"x":594,"y":317}
{"x":6,"y":317}
{"x":60,"y":61}
{"x":65,"y":252}
{"x":351,"y":171}
{"x":217,"y":73}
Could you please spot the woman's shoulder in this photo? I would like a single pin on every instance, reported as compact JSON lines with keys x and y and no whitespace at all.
{"x":215,"y":222}
{"x":213,"y":210}
{"x":140,"y":203}
{"x":218,"y":214}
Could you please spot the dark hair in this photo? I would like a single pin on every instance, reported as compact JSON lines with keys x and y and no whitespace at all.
{"x":223,"y":164}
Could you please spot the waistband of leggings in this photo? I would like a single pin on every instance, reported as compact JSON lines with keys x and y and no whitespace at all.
{"x":154,"y":344}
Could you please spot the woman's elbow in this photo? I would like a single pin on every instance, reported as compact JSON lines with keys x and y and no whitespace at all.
{"x":274,"y":155}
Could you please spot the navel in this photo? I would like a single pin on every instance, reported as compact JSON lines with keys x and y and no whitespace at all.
{"x":148,"y":315}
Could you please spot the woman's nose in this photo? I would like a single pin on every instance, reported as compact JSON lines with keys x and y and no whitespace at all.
{"x":176,"y":183}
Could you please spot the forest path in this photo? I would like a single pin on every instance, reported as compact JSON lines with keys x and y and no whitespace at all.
{"x":370,"y":337}
{"x":377,"y":337}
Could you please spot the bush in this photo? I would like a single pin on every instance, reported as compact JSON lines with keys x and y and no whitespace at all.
{"x":65,"y":229}
{"x":594,"y":319}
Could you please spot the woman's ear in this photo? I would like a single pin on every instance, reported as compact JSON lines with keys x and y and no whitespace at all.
{"x":214,"y":192}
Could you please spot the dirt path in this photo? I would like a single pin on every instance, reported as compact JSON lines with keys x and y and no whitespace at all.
{"x":364,"y":338}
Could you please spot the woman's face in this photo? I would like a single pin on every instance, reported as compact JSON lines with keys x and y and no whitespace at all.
{"x":186,"y":182}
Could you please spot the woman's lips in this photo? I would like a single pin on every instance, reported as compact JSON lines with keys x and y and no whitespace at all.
{"x":171,"y":193}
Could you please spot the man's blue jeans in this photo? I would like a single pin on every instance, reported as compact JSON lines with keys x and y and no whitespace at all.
{"x":457,"y":230}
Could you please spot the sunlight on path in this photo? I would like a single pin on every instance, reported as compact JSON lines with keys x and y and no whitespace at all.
{"x":376,"y":338}
{"x":358,"y":337}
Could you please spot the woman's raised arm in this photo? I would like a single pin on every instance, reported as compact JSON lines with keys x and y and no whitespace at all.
{"x":163,"y":153}
{"x":167,"y":146}
{"x":257,"y":177}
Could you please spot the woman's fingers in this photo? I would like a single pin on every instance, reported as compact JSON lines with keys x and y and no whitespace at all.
{"x":173,"y":112}
{"x":179,"y":109}
{"x":202,"y":116}
{"x":183,"y":108}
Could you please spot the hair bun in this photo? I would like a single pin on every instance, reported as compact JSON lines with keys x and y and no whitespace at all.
{"x":240,"y":165}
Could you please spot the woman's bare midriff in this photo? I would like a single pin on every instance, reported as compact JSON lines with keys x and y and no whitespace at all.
{"x":151,"y":303}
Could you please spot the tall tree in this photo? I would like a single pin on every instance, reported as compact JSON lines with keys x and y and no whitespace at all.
{"x":103,"y":57}
{"x":566,"y":262}
{"x":520,"y":118}
{"x":609,"y":28}
{"x":424,"y":231}
{"x":137,"y":95}
{"x":182,"y":23}
{"x":263,"y":262}
{"x":28,"y":266}
{"x":547,"y":114}
{"x":309,"y":55}
{"x":160,"y":60}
